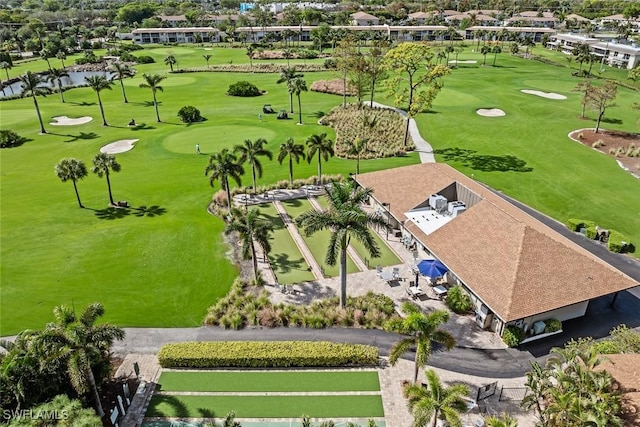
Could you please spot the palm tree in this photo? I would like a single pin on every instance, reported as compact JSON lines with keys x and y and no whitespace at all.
{"x":421,"y":330}
{"x":484,"y":50}
{"x":207,"y":57}
{"x":250,"y":153}
{"x":31,"y":86}
{"x":98,"y":84}
{"x":296,"y":86}
{"x":250,"y":228}
{"x":55,"y":77}
{"x":321,"y":145}
{"x":122,"y":70}
{"x":6,"y":67}
{"x":152,"y":81}
{"x":505,"y":420}
{"x":61,"y":55}
{"x":346,"y":219}
{"x":294,"y":152}
{"x":286,"y":76}
{"x":72,"y":170}
{"x":436,"y":402}
{"x":170,"y":61}
{"x":496,"y":50}
{"x":359,"y":146}
{"x":102,"y":164}
{"x":222,"y":166}
{"x":78,"y":342}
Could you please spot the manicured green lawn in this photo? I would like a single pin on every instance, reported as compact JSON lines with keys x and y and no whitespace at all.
{"x":387,"y":257}
{"x":330,"y":406}
{"x":286,"y":260}
{"x":269,"y":381}
{"x":319,"y":241}
{"x":527,"y":154}
{"x":163,"y":262}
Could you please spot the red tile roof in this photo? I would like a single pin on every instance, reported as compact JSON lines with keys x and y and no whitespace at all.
{"x":515,"y":264}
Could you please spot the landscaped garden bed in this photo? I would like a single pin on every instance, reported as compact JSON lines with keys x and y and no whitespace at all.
{"x":250,"y":306}
{"x":382,"y":128}
{"x":624,"y":147}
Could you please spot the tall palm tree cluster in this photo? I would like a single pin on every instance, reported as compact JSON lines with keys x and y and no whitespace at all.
{"x":33,"y":85}
{"x":227,"y":165}
{"x":69,"y":356}
{"x":74,"y":170}
{"x":570,"y":392}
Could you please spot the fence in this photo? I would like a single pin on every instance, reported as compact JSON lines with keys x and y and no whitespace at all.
{"x":513,"y":394}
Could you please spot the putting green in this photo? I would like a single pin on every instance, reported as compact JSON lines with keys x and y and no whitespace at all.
{"x":171,"y":80}
{"x":213,"y":139}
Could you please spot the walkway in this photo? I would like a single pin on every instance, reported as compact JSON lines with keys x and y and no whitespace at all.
{"x":422,"y":146}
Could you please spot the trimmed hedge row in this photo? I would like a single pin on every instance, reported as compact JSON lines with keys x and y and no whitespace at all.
{"x":618,"y":242}
{"x":265,"y":354}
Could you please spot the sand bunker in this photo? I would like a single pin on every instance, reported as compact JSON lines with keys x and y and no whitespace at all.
{"x":66,"y":121}
{"x":548,"y":95}
{"x":453,"y":61}
{"x":118,"y":146}
{"x":490,"y":112}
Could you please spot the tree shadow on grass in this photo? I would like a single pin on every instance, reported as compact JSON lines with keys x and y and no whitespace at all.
{"x":83,"y":103}
{"x":293,"y":203}
{"x":141,"y":126}
{"x":180,"y":410}
{"x":206,"y":413}
{"x":485,"y":163}
{"x":274,"y":219}
{"x":611,"y":120}
{"x":286,"y":265}
{"x":149,"y":211}
{"x":82,"y":135}
{"x":146,"y":103}
{"x":112,"y":213}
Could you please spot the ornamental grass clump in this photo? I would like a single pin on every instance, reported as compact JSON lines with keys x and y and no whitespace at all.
{"x":384,"y":138}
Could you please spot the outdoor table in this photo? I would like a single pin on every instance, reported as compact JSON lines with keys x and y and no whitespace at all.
{"x":386,"y":275}
{"x":440,"y":290}
{"x":415,"y":291}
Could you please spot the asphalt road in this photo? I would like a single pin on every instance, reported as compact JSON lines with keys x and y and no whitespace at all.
{"x":508,"y":363}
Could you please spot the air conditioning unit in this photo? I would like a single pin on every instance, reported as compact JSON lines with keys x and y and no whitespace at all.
{"x":458,"y":210}
{"x":484,"y":317}
{"x":453,"y":206}
{"x":437,"y":202}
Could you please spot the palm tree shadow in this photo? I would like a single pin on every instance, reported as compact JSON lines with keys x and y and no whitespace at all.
{"x":141,"y":126}
{"x":149,"y":211}
{"x":285,"y":264}
{"x":179,"y":408}
{"x":146,"y":103}
{"x":206,"y":413}
{"x":112,"y":213}
{"x":484,"y":162}
{"x":82,"y":135}
{"x":83,"y":103}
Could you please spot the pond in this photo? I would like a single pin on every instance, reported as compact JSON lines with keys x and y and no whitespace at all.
{"x":76,"y":78}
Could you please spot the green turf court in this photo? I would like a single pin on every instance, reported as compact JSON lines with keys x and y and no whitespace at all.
{"x":324,"y":406}
{"x":319,"y":241}
{"x":286,"y":260}
{"x":293,"y":381}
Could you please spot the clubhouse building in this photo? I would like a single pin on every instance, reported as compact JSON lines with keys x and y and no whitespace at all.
{"x":517,"y":270}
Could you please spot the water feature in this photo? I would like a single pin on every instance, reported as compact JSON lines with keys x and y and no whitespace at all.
{"x":76,"y":78}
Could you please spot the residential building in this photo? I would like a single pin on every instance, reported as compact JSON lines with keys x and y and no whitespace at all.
{"x":532,"y":21}
{"x":364,"y":19}
{"x":477,"y":20}
{"x":536,"y":33}
{"x":517,"y":270}
{"x":173,"y":20}
{"x":611,"y":53}
{"x":176,"y":35}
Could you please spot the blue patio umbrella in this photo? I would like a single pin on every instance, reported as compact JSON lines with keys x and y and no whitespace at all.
{"x":431,"y":268}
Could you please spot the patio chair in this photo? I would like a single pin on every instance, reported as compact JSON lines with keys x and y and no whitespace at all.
{"x":378,"y":269}
{"x":396,"y":272}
